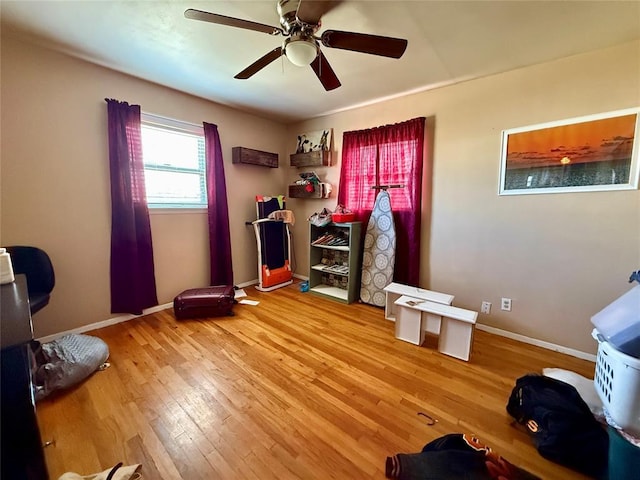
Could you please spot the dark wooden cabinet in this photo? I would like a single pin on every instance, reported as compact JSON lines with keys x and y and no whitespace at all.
{"x":318,"y":158}
{"x":302,"y":191}
{"x":22,"y":456}
{"x":254,"y":157}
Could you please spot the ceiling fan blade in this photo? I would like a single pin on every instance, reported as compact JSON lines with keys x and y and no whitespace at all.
{"x":194,"y":14}
{"x":325,"y":73}
{"x":259,"y":64}
{"x":310,"y":11}
{"x":365,"y":43}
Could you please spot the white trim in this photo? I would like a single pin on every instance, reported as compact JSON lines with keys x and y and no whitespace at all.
{"x":105,"y":323}
{"x":301,"y":277}
{"x":486,"y":328}
{"x":171,"y":123}
{"x":121,"y":318}
{"x":177,"y":210}
{"x":537,"y":343}
{"x":168,"y":129}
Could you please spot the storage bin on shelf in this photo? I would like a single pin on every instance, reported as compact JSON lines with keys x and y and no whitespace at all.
{"x":343,"y":217}
{"x":617,"y":381}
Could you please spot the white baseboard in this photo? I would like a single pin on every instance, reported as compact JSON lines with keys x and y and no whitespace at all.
{"x":537,"y":343}
{"x":104,"y":323}
{"x":301,"y":277}
{"x":121,"y":318}
{"x":486,"y":328}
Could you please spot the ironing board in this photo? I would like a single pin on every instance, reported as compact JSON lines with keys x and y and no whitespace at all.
{"x":273,"y":238}
{"x":379,"y":253}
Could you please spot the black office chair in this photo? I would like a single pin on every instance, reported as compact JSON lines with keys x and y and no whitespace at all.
{"x":37,"y":266}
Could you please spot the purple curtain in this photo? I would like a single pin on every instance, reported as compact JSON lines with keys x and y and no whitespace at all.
{"x":219,"y":234}
{"x":387,"y":155}
{"x":133,"y":284}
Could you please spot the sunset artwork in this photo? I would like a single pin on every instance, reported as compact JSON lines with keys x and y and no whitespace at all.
{"x":580,"y":155}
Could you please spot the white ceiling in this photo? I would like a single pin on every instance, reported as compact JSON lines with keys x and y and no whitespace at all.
{"x":449,"y":42}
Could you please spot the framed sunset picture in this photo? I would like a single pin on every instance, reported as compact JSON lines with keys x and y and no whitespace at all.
{"x":596,"y":152}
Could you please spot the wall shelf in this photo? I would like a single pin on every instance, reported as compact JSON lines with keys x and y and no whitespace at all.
{"x":318,"y":158}
{"x":300,"y":191}
{"x":254,"y":157}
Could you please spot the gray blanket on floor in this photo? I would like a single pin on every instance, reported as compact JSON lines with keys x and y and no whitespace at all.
{"x":67,"y":361}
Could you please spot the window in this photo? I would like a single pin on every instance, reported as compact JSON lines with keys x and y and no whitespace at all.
{"x":174,"y":163}
{"x":386,"y":163}
{"x":388,"y":155}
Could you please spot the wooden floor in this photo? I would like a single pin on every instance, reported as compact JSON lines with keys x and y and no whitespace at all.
{"x":297,"y":387}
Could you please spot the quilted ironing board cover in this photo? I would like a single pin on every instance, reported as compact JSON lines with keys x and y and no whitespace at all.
{"x":379,"y":253}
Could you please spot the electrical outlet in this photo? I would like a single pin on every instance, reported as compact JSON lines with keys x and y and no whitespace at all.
{"x":506,"y":304}
{"x":486,"y":307}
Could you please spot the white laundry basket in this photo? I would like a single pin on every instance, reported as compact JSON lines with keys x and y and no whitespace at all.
{"x":617,"y":381}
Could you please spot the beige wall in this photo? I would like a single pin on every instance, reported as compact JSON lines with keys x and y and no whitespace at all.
{"x":560,"y":257}
{"x":55,"y":180}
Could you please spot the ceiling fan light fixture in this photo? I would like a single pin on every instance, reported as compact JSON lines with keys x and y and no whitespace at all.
{"x":300,"y":21}
{"x":300,"y":51}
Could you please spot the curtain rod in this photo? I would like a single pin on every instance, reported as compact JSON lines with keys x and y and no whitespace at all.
{"x":385,"y":187}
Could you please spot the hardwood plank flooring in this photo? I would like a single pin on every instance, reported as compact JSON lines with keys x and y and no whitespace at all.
{"x":298,"y":387}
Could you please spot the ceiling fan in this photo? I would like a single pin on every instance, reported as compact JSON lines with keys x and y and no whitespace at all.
{"x":300,"y":20}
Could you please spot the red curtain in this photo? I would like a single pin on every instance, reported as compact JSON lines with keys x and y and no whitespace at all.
{"x":133,"y":284}
{"x":218,"y":210}
{"x":388,"y":155}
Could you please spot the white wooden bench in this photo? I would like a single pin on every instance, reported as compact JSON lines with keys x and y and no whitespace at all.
{"x":395,"y":290}
{"x":455,"y":325}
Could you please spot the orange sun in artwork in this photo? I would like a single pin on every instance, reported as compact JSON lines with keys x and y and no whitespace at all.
{"x":600,"y":140}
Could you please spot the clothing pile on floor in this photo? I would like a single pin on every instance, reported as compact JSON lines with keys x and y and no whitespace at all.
{"x":454,"y":457}
{"x":561,"y":424}
{"x":560,"y":411}
{"x":590,"y":426}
